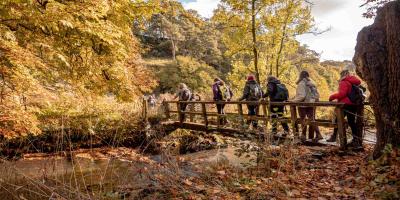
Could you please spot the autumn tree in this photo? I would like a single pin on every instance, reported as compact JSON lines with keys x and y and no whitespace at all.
{"x":82,"y":48}
{"x":261,"y":33}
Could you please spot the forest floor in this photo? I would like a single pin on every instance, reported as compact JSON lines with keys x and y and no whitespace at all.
{"x":235,"y":170}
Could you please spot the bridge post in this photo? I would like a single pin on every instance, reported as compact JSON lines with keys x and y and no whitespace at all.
{"x":204,"y":110}
{"x":266,"y":115}
{"x":145,"y":110}
{"x":180,"y":116}
{"x":293,"y":119}
{"x":240,"y":110}
{"x":341,"y":128}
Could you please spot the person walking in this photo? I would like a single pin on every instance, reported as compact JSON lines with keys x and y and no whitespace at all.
{"x":221,"y":93}
{"x":252,"y":92}
{"x":277,"y":92}
{"x":306,"y":91}
{"x":184,"y":94}
{"x":348,"y":84}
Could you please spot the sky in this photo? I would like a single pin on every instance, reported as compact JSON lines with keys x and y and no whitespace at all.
{"x":344,"y":17}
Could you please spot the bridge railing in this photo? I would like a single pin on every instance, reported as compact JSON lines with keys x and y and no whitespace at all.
{"x":294,"y":120}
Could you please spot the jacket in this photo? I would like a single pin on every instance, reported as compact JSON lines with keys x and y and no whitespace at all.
{"x":344,"y":89}
{"x":217,"y":96}
{"x":246,"y":91}
{"x":303,"y":92}
{"x":184,"y":94}
{"x":271,"y":89}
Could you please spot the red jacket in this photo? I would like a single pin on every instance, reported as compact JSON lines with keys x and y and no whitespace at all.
{"x":345,"y":89}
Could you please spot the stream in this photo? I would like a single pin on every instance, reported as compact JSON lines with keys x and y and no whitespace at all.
{"x":101,"y":172}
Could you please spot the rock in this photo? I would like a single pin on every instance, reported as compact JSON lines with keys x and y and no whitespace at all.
{"x":377,"y":58}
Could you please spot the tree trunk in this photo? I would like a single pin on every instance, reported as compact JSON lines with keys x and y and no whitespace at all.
{"x":282,"y":42}
{"x":377,"y":59}
{"x":253,"y":31}
{"x":173,"y":47}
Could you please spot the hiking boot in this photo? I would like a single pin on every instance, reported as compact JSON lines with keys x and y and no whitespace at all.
{"x":319,"y":137}
{"x":354,"y":144}
{"x":332,"y":138}
{"x":303,"y":137}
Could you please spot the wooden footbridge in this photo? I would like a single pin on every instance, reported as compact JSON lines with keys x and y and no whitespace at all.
{"x":202,"y":116}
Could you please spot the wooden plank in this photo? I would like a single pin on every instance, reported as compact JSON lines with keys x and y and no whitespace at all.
{"x":293,"y":117}
{"x":204,"y":110}
{"x":341,"y":128}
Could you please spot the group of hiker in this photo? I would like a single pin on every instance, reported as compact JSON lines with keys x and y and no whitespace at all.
{"x":349,"y":92}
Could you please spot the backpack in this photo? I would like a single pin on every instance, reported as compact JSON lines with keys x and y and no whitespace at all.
{"x":185,"y":95}
{"x":314,"y":94}
{"x":282,"y":93}
{"x":356,"y":94}
{"x":225,"y":92}
{"x":255,"y":92}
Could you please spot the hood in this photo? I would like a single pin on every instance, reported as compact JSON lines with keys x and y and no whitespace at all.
{"x":276,"y":81}
{"x":352,"y":79}
{"x":310,"y":83}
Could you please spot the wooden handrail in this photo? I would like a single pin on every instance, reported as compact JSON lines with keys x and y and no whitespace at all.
{"x":313,"y":104}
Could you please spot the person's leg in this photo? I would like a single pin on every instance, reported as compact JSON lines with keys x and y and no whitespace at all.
{"x":274,"y":119}
{"x":254,"y":113}
{"x":302,"y":115}
{"x":223,"y":118}
{"x":250,"y":113}
{"x":350,"y":113}
{"x":219,"y":111}
{"x":333,"y":137}
{"x":285,"y":126}
{"x":183,"y":109}
{"x":219,"y":108}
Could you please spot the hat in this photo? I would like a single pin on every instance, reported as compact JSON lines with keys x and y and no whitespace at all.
{"x":250,"y":77}
{"x":344,"y":72}
{"x":271,"y":78}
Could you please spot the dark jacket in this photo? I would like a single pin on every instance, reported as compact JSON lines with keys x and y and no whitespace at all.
{"x":271,"y":89}
{"x":217,"y":96}
{"x":345,"y":86}
{"x":246,"y":91}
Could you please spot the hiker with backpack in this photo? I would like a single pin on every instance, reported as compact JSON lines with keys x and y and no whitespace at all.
{"x":277,"y":92}
{"x":221,"y":93}
{"x":351,"y":93}
{"x":184,"y":94}
{"x":307,"y":92}
{"x":252,"y":92}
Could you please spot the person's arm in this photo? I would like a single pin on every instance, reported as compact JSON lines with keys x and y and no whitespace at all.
{"x":246,"y":91}
{"x":231,"y":93}
{"x":301,"y":92}
{"x":342,"y":91}
{"x":176,"y":95}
